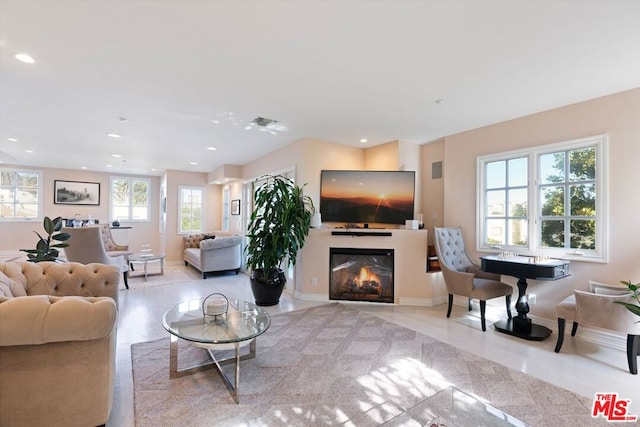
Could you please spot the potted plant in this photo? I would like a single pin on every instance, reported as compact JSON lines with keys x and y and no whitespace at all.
{"x":277,"y":230}
{"x":46,"y":249}
{"x":635,"y":289}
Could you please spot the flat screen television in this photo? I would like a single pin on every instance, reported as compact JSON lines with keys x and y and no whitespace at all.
{"x":367,"y":197}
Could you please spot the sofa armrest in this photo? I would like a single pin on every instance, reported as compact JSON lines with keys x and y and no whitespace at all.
{"x":42,"y":319}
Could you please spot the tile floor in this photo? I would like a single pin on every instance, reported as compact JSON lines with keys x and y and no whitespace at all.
{"x":583,"y":366}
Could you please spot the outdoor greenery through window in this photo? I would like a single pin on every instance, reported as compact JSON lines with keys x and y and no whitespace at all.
{"x":130,"y":199}
{"x":191,"y":209}
{"x":547,"y":199}
{"x":20,"y":194}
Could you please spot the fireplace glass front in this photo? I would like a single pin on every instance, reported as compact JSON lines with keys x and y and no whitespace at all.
{"x":361,"y":274}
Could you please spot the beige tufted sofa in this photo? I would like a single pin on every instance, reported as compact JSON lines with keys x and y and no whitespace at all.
{"x":221,"y":253}
{"x":57,"y":343}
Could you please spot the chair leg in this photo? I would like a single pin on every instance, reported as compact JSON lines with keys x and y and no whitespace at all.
{"x":633,"y":350}
{"x":561,"y":323}
{"x":126,"y":279}
{"x":450,"y":305}
{"x":574,"y":329}
{"x":483,"y":309}
{"x":469,"y":304}
{"x":508,"y":298}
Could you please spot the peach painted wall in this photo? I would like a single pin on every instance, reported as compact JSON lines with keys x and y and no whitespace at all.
{"x":616,"y":115}
{"x":19,"y":235}
{"x":382,"y":157}
{"x":432,"y":189}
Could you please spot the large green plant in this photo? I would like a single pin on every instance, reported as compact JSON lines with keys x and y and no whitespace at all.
{"x":279,"y":223}
{"x":635,"y":290}
{"x":46,"y":248}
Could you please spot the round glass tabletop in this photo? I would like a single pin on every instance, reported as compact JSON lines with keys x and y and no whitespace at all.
{"x":243,"y":321}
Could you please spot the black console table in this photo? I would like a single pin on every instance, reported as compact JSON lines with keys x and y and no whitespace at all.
{"x":524,"y":267}
{"x":361,"y":233}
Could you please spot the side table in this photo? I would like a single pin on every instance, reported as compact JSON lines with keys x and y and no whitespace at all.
{"x":145,"y":259}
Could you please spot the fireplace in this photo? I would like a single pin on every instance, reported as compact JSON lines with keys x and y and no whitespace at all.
{"x":361,"y":274}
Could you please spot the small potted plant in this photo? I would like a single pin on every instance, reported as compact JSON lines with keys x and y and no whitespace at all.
{"x":46,"y":248}
{"x":277,"y":230}
{"x":635,"y":289}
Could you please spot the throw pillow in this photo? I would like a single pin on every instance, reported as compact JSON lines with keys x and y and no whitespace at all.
{"x":10,"y":288}
{"x":209,"y":237}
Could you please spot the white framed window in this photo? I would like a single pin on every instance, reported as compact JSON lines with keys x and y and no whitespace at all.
{"x":130,"y":199}
{"x":550,"y":200}
{"x":191,"y":210}
{"x":20,"y":195}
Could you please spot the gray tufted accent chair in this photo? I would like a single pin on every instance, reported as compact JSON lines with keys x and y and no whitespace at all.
{"x":463,"y":277}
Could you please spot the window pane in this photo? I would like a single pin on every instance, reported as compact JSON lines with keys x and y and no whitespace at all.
{"x":583,"y":200}
{"x":518,"y":172}
{"x":518,"y":202}
{"x":140,"y":199}
{"x":27,"y":195}
{"x":582,"y":164}
{"x":140,"y":187}
{"x":518,"y":232}
{"x":26,"y":209}
{"x":195,"y":224}
{"x":120,"y":199}
{"x":120,"y":212}
{"x":583,"y":234}
{"x":552,"y":199}
{"x":140,"y":213}
{"x":7,"y":194}
{"x":552,"y":168}
{"x":6,"y":210}
{"x":496,"y":231}
{"x":496,"y":174}
{"x":552,"y":233}
{"x":496,"y":202}
{"x":186,"y":224}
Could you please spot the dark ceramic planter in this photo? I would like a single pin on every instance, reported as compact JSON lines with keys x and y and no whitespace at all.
{"x":267,"y":290}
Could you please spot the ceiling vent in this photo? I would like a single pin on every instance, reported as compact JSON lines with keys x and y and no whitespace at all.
{"x":263,"y":122}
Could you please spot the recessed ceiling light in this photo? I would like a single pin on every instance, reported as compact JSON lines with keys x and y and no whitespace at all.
{"x":24,"y":57}
{"x":114,"y":135}
{"x":193,"y":163}
{"x":12,"y":139}
{"x":116,"y":155}
{"x":83,"y":167}
{"x":109,"y":166}
{"x":363,"y":140}
{"x":439,"y":101}
{"x":28,"y":151}
{"x":122,"y":119}
{"x":212,"y":148}
{"x":154,"y":169}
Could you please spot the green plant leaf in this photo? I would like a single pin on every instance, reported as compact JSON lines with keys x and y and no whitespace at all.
{"x":635,"y":309}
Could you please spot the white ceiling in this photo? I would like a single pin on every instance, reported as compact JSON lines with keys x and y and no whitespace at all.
{"x":188,"y":75}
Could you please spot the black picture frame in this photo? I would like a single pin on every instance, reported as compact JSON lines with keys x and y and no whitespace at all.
{"x":235,"y":207}
{"x":76,"y":193}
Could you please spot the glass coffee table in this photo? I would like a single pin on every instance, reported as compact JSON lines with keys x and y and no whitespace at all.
{"x":146,"y":258}
{"x":453,"y":407}
{"x":242,"y":323}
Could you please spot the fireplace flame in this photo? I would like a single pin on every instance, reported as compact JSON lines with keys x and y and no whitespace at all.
{"x":366,"y":277}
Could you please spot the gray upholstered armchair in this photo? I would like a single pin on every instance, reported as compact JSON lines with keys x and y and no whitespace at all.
{"x":86,"y":246}
{"x":463,"y":277}
{"x":597,"y":308}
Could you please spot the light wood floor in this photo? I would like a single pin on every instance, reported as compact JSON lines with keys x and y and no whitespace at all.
{"x":583,"y":367}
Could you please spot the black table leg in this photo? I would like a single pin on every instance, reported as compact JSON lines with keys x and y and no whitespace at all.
{"x":521,"y":326}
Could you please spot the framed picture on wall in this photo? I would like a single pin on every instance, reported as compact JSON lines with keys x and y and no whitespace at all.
{"x":235,"y":207}
{"x":76,"y":193}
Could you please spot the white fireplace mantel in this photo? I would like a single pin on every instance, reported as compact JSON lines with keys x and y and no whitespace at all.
{"x":413,"y":285}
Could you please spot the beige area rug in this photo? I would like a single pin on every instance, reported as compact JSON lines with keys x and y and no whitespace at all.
{"x":334,"y":365}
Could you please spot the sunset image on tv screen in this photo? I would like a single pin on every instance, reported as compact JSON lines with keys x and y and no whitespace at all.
{"x":385,"y":197}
